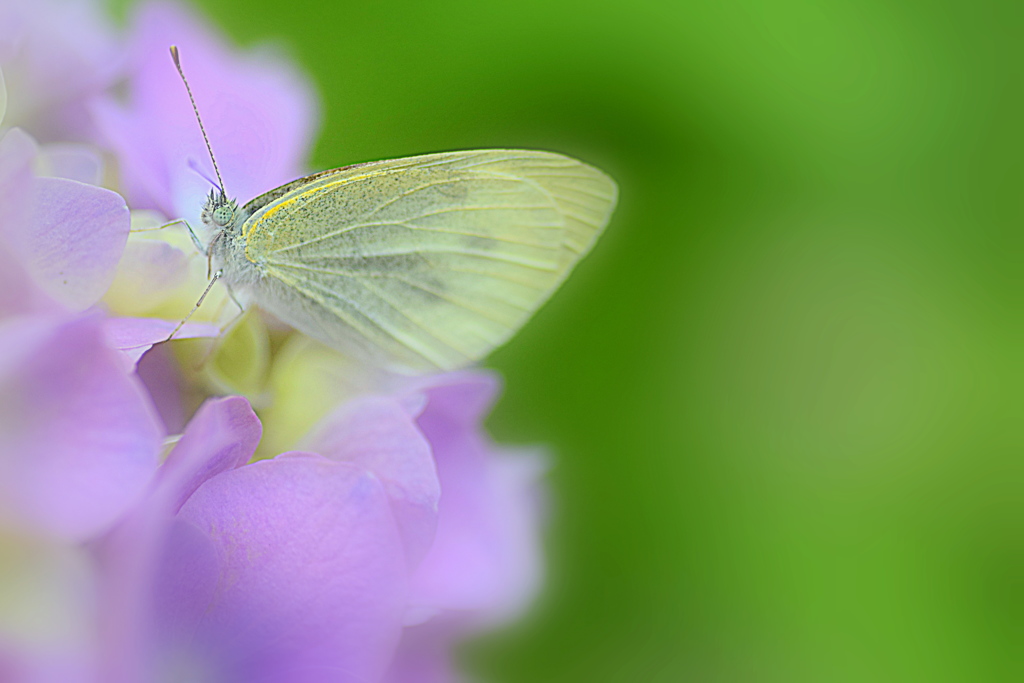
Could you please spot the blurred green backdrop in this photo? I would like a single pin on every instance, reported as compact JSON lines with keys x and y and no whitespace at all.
{"x":784,"y":390}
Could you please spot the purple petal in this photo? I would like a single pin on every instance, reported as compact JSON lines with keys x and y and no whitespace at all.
{"x":135,"y":140}
{"x":313,"y":578}
{"x":260,"y":139}
{"x":74,"y":239}
{"x":18,"y":293}
{"x":17,"y":152}
{"x":78,"y":436}
{"x":185,"y":585}
{"x":71,"y":161}
{"x":135,"y":336}
{"x":63,"y":236}
{"x":485,"y":555}
{"x":56,"y":55}
{"x":459,"y":400}
{"x":424,"y":656}
{"x":379,"y":435}
{"x":161,"y":374}
{"x":3,"y":97}
{"x":222,"y":435}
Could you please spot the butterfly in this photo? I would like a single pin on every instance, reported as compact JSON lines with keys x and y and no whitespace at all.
{"x":419,"y":264}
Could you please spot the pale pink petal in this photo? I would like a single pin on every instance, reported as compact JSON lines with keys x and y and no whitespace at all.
{"x":74,"y":239}
{"x":486,"y":553}
{"x":66,"y":236}
{"x":135,"y":336}
{"x":72,"y":161}
{"x":17,"y":154}
{"x":79,"y":438}
{"x":56,"y":56}
{"x":18,"y":293}
{"x":313,"y":572}
{"x":161,"y":374}
{"x":379,"y":435}
{"x":222,"y":435}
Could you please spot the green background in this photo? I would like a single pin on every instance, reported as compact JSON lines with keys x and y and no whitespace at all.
{"x":784,"y":390}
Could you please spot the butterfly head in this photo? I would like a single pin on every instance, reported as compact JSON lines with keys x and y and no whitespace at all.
{"x":219,"y":212}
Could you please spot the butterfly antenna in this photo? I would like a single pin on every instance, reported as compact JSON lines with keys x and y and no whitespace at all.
{"x":177,"y":63}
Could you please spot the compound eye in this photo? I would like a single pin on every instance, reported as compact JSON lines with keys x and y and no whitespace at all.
{"x":223,"y":214}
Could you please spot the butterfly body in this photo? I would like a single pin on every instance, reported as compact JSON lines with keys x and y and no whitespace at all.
{"x":418,"y":264}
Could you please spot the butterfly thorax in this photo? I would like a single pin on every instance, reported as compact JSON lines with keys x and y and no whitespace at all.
{"x":224,"y":220}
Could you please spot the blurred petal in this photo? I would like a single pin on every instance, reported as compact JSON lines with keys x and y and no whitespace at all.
{"x":143,"y":177}
{"x":78,"y":436}
{"x":313,"y":576}
{"x":56,"y":55}
{"x":68,"y":236}
{"x":135,"y":336}
{"x":185,"y":583}
{"x":3,"y":97}
{"x":259,"y":112}
{"x":379,"y":435}
{"x":222,"y":435}
{"x":425,"y":656}
{"x":459,"y":401}
{"x":74,"y":240}
{"x":46,"y":610}
{"x":70,"y":161}
{"x":17,"y":152}
{"x":18,"y":293}
{"x":486,"y":553}
{"x":161,"y":374}
{"x":183,"y":586}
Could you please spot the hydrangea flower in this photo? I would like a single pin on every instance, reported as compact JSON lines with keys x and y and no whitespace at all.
{"x":390,"y":526}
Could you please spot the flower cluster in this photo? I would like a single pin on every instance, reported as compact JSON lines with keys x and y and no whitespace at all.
{"x":151,"y":529}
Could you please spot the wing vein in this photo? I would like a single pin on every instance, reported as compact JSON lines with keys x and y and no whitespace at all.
{"x":587,"y":192}
{"x":484,"y":208}
{"x":483,"y":237}
{"x":341,"y":313}
{"x":454,"y":302}
{"x":405,"y":340}
{"x":387,"y":299}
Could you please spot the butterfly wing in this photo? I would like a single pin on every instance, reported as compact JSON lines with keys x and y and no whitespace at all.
{"x":430,"y":262}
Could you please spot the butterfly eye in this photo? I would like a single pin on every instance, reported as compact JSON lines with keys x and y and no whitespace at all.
{"x":223,"y":214}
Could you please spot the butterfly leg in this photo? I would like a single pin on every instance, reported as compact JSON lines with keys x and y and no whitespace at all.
{"x":158,"y":227}
{"x":224,"y":329}
{"x":231,"y":323}
{"x":241,"y":308}
{"x":182,"y":221}
{"x":213,"y":281}
{"x":195,"y":240}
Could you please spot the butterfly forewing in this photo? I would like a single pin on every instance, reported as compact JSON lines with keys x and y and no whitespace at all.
{"x":431,"y":261}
